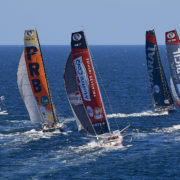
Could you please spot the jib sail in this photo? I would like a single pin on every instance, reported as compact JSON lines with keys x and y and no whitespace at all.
{"x":159,"y":87}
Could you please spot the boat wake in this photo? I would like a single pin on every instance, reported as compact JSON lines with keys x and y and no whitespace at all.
{"x":160,"y":136}
{"x":82,"y":154}
{"x":145,"y":113}
{"x":3,"y":112}
{"x":28,"y":136}
{"x":174,"y":128}
{"x":117,"y":115}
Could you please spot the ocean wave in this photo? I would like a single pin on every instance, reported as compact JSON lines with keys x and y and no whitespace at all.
{"x":3,"y":113}
{"x":140,"y":114}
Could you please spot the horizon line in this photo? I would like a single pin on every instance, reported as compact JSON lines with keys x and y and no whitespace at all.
{"x":89,"y":44}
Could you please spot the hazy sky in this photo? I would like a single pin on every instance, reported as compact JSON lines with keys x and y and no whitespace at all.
{"x":104,"y":21}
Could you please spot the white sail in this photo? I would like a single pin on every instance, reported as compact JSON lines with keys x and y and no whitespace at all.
{"x":174,"y":91}
{"x":26,"y":91}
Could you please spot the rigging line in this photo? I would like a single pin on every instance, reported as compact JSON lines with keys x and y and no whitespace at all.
{"x":102,"y":84}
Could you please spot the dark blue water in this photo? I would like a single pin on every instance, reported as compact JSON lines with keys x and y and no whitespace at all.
{"x":27,"y":153}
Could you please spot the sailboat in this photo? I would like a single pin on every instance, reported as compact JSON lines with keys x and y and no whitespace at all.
{"x":3,"y":109}
{"x":84,"y":95}
{"x":173,"y":57}
{"x":33,"y":85}
{"x":162,"y":98}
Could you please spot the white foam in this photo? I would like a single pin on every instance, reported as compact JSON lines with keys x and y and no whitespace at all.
{"x":116,"y":115}
{"x":145,"y":113}
{"x":159,"y":135}
{"x":168,"y":129}
{"x":25,"y":137}
{"x":87,"y":152}
{"x":3,"y":112}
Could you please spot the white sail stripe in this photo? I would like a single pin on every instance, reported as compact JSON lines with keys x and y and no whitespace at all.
{"x":26,"y":91}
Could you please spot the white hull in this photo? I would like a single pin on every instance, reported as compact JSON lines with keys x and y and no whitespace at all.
{"x":111,"y":139}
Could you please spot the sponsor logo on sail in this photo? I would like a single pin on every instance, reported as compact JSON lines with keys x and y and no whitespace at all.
{"x":43,"y":113}
{"x":29,"y":33}
{"x":83,"y":78}
{"x":90,"y":111}
{"x":150,"y":56}
{"x":77,"y":37}
{"x":156,"y":89}
{"x":170,"y":35}
{"x":176,"y":56}
{"x":99,"y":124}
{"x":75,"y":98}
{"x":44,"y":100}
{"x":97,"y":113}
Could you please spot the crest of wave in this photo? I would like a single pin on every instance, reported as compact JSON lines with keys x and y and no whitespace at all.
{"x":168,"y":129}
{"x":145,"y":113}
{"x":91,"y":151}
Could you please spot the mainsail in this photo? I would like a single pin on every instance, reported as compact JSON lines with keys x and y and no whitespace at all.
{"x":75,"y":100}
{"x":159,"y":87}
{"x":85,"y":88}
{"x":173,"y":57}
{"x":33,"y":84}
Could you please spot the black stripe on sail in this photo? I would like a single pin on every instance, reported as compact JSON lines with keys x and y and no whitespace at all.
{"x":78,"y":40}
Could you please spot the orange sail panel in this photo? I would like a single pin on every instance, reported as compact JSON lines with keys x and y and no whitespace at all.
{"x":36,"y":75}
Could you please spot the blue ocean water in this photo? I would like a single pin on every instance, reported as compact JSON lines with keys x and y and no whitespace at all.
{"x":27,"y":153}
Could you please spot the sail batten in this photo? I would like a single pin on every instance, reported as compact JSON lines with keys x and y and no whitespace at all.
{"x":159,"y":87}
